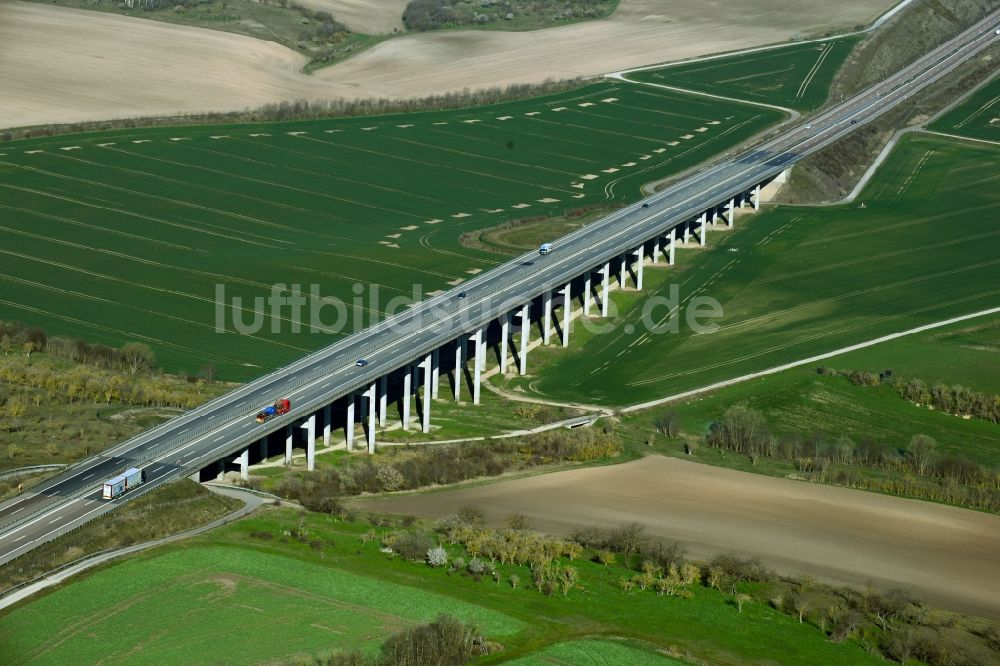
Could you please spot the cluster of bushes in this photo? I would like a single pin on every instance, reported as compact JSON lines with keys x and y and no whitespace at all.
{"x":43,"y":383}
{"x":939,"y":477}
{"x":443,"y":642}
{"x":511,"y":546}
{"x":133,"y":357}
{"x":958,"y":400}
{"x":542,"y":554}
{"x":630,"y":543}
{"x":302,"y":109}
{"x":320,"y":28}
{"x":442,"y":465}
{"x":674,"y":582}
{"x":892,"y":624}
{"x":423,"y":15}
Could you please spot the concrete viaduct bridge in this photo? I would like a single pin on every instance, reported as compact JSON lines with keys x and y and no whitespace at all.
{"x":411,"y":389}
{"x":450,"y":334}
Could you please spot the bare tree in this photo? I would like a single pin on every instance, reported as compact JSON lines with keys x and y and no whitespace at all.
{"x":137,"y":356}
{"x":801,"y":606}
{"x":668,"y":424}
{"x":921,"y":449}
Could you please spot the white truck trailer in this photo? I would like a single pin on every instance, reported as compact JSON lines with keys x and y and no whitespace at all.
{"x":123,"y":483}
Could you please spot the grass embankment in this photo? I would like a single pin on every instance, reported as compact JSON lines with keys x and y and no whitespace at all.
{"x":168,"y":510}
{"x":977,"y":117}
{"x":307,"y":585}
{"x":797,"y":76}
{"x":593,"y":653}
{"x":832,"y":173}
{"x":783,"y":276}
{"x":53,"y":410}
{"x":516,"y":236}
{"x":377,"y":201}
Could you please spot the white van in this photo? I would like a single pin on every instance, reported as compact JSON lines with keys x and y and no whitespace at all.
{"x":545,"y":248}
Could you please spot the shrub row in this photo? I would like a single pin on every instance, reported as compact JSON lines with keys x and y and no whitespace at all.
{"x":447,"y":464}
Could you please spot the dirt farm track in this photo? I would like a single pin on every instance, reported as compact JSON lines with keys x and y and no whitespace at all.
{"x":947,"y":556}
{"x":62,"y":65}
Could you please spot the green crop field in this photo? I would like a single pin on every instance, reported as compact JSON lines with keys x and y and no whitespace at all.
{"x":247,"y":598}
{"x":234,"y":601}
{"x":967,"y":354}
{"x":978,"y":117}
{"x":796,"y":281}
{"x":801,"y":402}
{"x":593,"y":653}
{"x":130,"y":235}
{"x":796,"y":76}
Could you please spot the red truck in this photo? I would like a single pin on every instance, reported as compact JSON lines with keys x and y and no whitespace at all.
{"x":280,"y":407}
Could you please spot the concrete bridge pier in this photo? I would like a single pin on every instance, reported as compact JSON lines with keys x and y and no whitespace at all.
{"x":349,"y":423}
{"x":263,"y":448}
{"x":425,"y":406}
{"x":504,"y":341}
{"x":435,"y":372}
{"x":477,"y":366}
{"x":687,"y":230}
{"x":671,"y":247}
{"x":383,"y":399}
{"x":327,"y":423}
{"x":638,"y":267}
{"x":623,"y":272}
{"x":244,"y":462}
{"x":407,"y":392}
{"x":546,"y":316}
{"x":288,"y":444}
{"x":703,"y":234}
{"x":525,"y":334}
{"x":605,"y":278}
{"x":566,"y":314}
{"x":459,"y":365}
{"x":370,"y":396}
{"x":588,"y":297}
{"x":310,"y":427}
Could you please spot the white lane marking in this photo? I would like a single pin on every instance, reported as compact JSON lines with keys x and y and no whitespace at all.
{"x":42,"y":538}
{"x":13,"y":512}
{"x":87,"y":477}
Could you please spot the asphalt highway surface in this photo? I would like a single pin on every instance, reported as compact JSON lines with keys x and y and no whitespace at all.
{"x":226,"y":425}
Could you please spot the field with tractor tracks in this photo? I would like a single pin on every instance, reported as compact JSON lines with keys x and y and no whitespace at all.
{"x":149,"y":235}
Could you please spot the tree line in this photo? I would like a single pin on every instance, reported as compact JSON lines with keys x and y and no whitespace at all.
{"x":132,"y":357}
{"x":302,"y":109}
{"x":443,"y":465}
{"x":929,"y":474}
{"x":947,"y":398}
